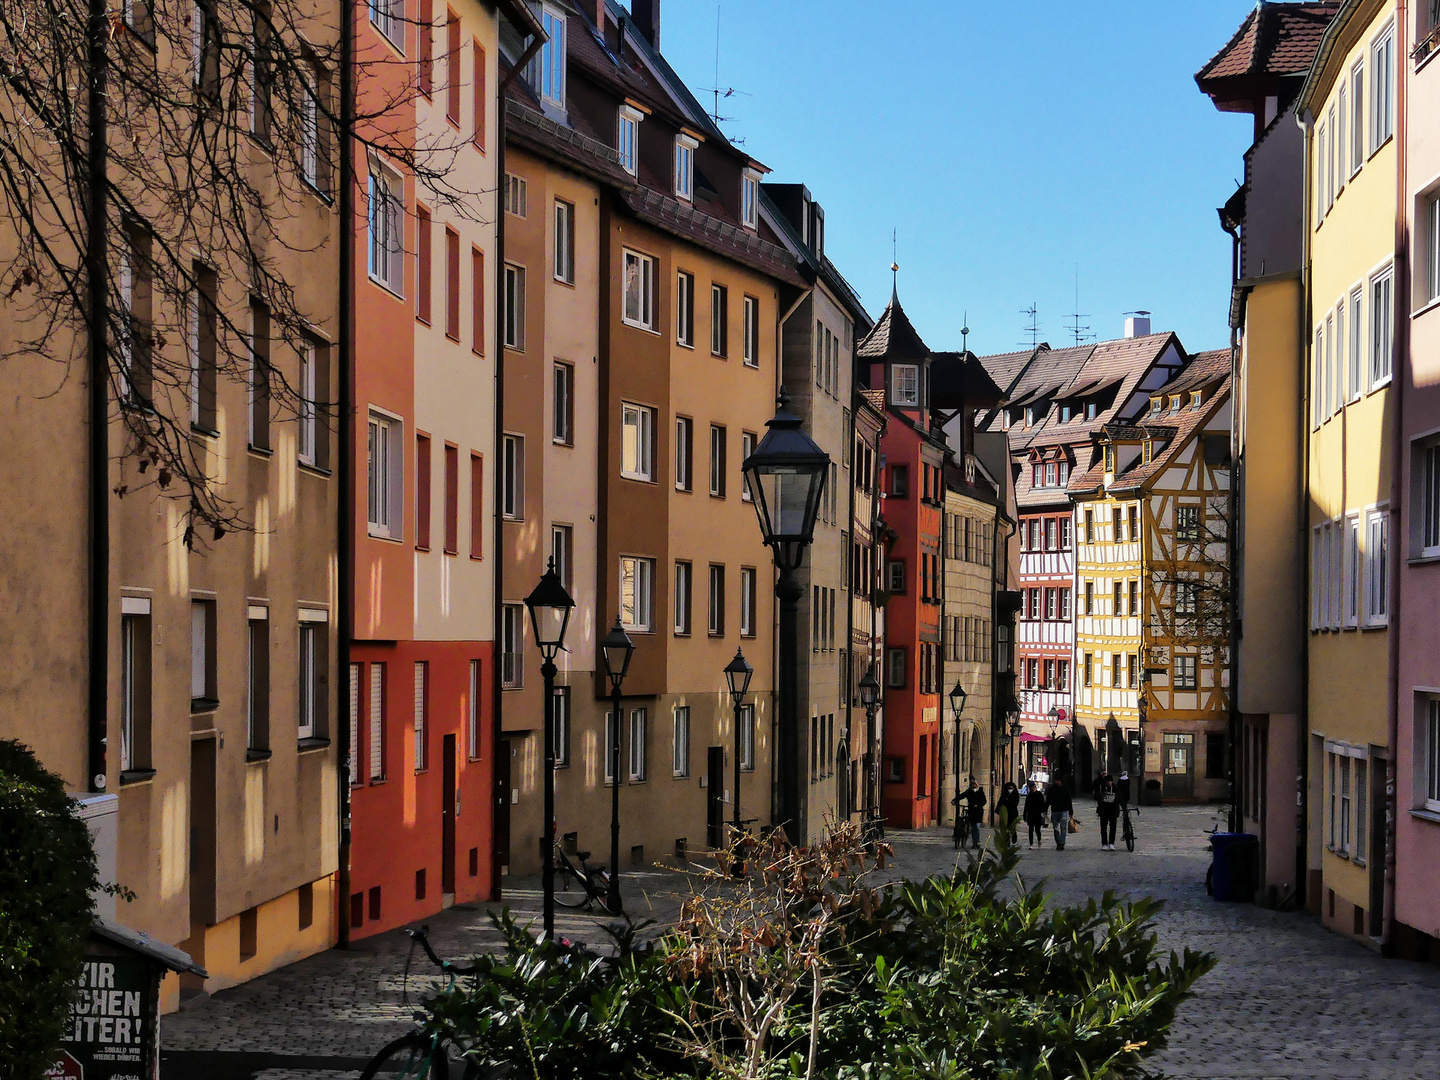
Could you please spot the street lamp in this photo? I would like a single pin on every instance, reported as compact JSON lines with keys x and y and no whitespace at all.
{"x":785,"y":475}
{"x":616,"y":648}
{"x":870,"y":698}
{"x":550,"y":606}
{"x":957,"y":706}
{"x":738,"y":674}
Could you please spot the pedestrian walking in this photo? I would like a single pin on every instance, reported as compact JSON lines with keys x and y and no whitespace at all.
{"x":969,"y":809}
{"x":1061,"y":807}
{"x":1122,"y":788}
{"x":1107,"y":806}
{"x":1007,"y":808}
{"x":1035,"y":814}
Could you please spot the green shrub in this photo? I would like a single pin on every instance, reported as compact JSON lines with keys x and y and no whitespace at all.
{"x":47,"y":869}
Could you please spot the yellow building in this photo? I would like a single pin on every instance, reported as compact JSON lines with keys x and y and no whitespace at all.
{"x":1152,"y":628}
{"x":1348,"y":107}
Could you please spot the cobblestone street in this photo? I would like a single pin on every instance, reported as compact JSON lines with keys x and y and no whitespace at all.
{"x":1286,"y":1000}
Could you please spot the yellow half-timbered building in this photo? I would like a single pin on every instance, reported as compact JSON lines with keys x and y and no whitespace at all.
{"x":1152,"y":628}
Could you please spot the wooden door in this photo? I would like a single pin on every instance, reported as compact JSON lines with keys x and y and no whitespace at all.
{"x":447,"y":818}
{"x":502,"y":807}
{"x":1178,"y":781}
{"x":715,"y":796}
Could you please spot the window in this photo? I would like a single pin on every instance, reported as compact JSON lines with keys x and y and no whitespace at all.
{"x":717,"y":601}
{"x":386,"y":227}
{"x":424,"y":270}
{"x":560,"y":718}
{"x":386,"y":476}
{"x":637,"y":443}
{"x":478,"y":94}
{"x":747,"y":738}
{"x":1187,"y":598}
{"x":259,"y":375}
{"x":422,"y":711}
{"x":717,"y":460}
{"x":377,"y":722}
{"x":1382,"y":88}
{"x":1428,"y":730}
{"x":512,"y":477}
{"x":1089,"y":598}
{"x":627,"y":137}
{"x":637,"y":593}
{"x":352,"y":763}
{"x":388,"y":16}
{"x":1350,"y":572}
{"x":900,"y":481}
{"x":680,"y":745}
{"x":1134,"y":608}
{"x":562,"y":419}
{"x":905,"y":384}
{"x":1187,"y":523}
{"x":1089,"y":669}
{"x":512,"y":646}
{"x":452,"y":284}
{"x":750,"y":199}
{"x":1357,"y":848}
{"x":747,"y":601}
{"x":205,"y":50}
{"x":719,"y":320}
{"x":473,"y":711}
{"x":1343,"y":769}
{"x":1426,"y":473}
{"x":610,"y":741}
{"x":685,"y":309}
{"x":752,"y":331}
{"x":552,"y":57}
{"x":639,"y":298}
{"x":136,"y":301}
{"x":1089,"y":526}
{"x":1185,"y":673}
{"x":1431,"y":225}
{"x":516,"y":195}
{"x":1357,"y":337}
{"x":514,"y":306}
{"x":683,"y":575}
{"x":1062,"y":676}
{"x":1357,"y":116}
{"x":895,"y":667}
{"x":452,"y":499}
{"x":684,"y":453}
{"x":896,"y":577}
{"x":203,"y":319}
{"x":564,"y":242}
{"x":562,"y":550}
{"x":637,"y":745}
{"x":134,"y":684}
{"x":1132,"y":519}
{"x":1317,"y":379}
{"x":685,"y":167}
{"x":257,"y":681}
{"x":747,"y":447}
{"x":453,"y":80}
{"x":1377,"y":561}
{"x":1052,"y":604}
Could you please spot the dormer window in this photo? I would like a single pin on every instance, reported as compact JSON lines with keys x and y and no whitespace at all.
{"x":552,"y":57}
{"x":1064,"y":414}
{"x":750,"y":199}
{"x":818,"y":239}
{"x":905,"y":385}
{"x":1196,"y":397}
{"x":1091,"y":410}
{"x":1029,"y":415}
{"x":1174,"y":402}
{"x":627,"y":137}
{"x":1156,"y":404}
{"x":685,"y":167}
{"x":1147,"y":451}
{"x":1109,"y":458}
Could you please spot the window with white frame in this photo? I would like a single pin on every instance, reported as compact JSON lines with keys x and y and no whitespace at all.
{"x":639,"y":290}
{"x":747,"y":738}
{"x":1382,"y":327}
{"x":560,"y":720}
{"x":1342,"y":771}
{"x":717,"y":460}
{"x":680,"y":743}
{"x":752,"y":331}
{"x":312,"y":676}
{"x":517,"y":196}
{"x":388,"y":16}
{"x":1425,"y":476}
{"x":684,"y":453}
{"x":1338,"y":396}
{"x":638,"y":745}
{"x":386,"y":474}
{"x":512,"y":646}
{"x":747,"y":447}
{"x":473,"y":712}
{"x":637,"y":442}
{"x":564,"y":242}
{"x":684,"y":574}
{"x":1356,"y":348}
{"x":387,"y":227}
{"x":1357,"y":116}
{"x":552,"y":56}
{"x":1317,"y":563}
{"x":685,"y":167}
{"x":719,"y":320}
{"x":717,"y":601}
{"x":1342,"y":145}
{"x":1317,"y":379}
{"x":514,"y":306}
{"x":1377,"y":566}
{"x":1186,"y":677}
{"x":308,"y":419}
{"x":135,"y":683}
{"x":352,"y":761}
{"x":562,"y":404}
{"x":1430,"y":222}
{"x":685,"y":309}
{"x":512,"y":477}
{"x":747,"y":601}
{"x":1350,"y":572}
{"x":422,"y":708}
{"x":627,"y":137}
{"x":905,"y":384}
{"x":750,"y":199}
{"x":562,"y":550}
{"x":378,"y":715}
{"x":1382,"y":88}
{"x":637,"y":593}
{"x":605,"y":750}
{"x":1427,"y":755}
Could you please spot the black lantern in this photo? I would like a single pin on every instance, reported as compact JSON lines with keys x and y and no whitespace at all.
{"x":1014,"y":726}
{"x":738,"y":674}
{"x":550,"y":606}
{"x":617,"y":648}
{"x":869,"y":689}
{"x":1054,"y":720}
{"x":786,"y":475}
{"x":957,"y":700}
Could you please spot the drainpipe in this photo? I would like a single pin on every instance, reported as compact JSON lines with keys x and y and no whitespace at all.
{"x":1302,"y":780}
{"x":1234,"y":727}
{"x":1401,"y":362}
{"x":345,"y":463}
{"x":849,"y":561}
{"x":96,"y":38}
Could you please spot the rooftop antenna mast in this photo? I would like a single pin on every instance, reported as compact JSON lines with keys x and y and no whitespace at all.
{"x":1080,"y":330}
{"x":965,"y":333}
{"x":718,"y":91}
{"x":1033,"y":311}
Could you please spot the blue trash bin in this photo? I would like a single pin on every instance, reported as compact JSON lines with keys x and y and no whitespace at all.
{"x":1232,"y":874}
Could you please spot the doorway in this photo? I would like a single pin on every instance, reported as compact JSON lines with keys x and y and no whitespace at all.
{"x":1178,"y":780}
{"x":502,"y":808}
{"x":447,"y":818}
{"x":202,"y":834}
{"x":714,"y":796}
{"x":1379,"y":774}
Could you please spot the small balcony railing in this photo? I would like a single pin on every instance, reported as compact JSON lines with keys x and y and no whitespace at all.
{"x":1426,"y":45}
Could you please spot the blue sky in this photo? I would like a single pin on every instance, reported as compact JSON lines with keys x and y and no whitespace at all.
{"x":1005,"y":141}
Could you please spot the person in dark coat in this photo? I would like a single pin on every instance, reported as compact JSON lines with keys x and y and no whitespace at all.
{"x":1035,"y":813}
{"x":1007,"y":808}
{"x":1122,"y":789}
{"x":1107,"y":806}
{"x":1061,"y":807}
{"x":969,"y":810}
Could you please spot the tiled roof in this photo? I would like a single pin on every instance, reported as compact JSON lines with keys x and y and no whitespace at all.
{"x":535,"y":131}
{"x":959,"y":376}
{"x":1274,"y":40}
{"x":893,"y":338}
{"x":685,"y":221}
{"x":876,"y":398}
{"x":1005,"y":368}
{"x":1204,"y":368}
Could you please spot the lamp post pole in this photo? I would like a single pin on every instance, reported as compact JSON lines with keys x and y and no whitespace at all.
{"x":550,"y":606}
{"x":870,"y":698}
{"x":737,"y":678}
{"x":617,"y":649}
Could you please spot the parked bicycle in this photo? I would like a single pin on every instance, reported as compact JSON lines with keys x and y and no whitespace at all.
{"x":423,"y":1054}
{"x":1127,"y":828}
{"x":577,"y":883}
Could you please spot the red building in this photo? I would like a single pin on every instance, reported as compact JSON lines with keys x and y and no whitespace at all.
{"x":896,"y":361}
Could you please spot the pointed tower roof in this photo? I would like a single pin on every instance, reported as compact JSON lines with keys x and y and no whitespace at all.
{"x":893,"y":338}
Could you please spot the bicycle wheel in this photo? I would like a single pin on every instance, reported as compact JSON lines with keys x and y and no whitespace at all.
{"x":570,"y":891}
{"x":1129,"y":840}
{"x":409,"y":1057}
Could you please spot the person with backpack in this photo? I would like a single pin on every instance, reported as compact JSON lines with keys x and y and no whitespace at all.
{"x":1107,"y":806}
{"x":1035,"y":813}
{"x":1061,"y":807}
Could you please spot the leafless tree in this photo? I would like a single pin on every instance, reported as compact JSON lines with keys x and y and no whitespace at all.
{"x":1193,"y":585}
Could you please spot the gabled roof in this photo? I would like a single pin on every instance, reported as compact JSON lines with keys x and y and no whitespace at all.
{"x":1274,"y":41}
{"x":959,"y":377}
{"x":1204,"y":368}
{"x":893,"y":339}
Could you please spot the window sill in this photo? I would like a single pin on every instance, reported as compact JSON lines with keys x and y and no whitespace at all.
{"x":754,"y":365}
{"x":201,"y":429}
{"x":135,"y":777}
{"x":313,"y":743}
{"x":373,"y":535}
{"x":1422,"y":560}
{"x":682,"y":633}
{"x":562,"y":281}
{"x":1432,"y":816}
{"x":637,"y":478}
{"x":260,"y":451}
{"x":640,"y":326}
{"x":569,"y":444}
{"x":512,"y":686}
{"x":377,"y":781}
{"x":1379,"y":384}
{"x":685,"y":344}
{"x":1428,"y":306}
{"x":314,"y":470}
{"x":257,"y":755}
{"x":385,"y":287}
{"x":203,"y":705}
{"x":1420,"y":64}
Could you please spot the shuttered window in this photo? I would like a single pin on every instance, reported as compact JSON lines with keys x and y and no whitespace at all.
{"x":354,"y":756}
{"x":377,"y":722}
{"x":422,"y":699}
{"x":473,"y":719}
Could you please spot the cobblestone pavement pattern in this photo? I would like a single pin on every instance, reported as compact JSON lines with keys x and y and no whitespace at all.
{"x":1287,"y":1000}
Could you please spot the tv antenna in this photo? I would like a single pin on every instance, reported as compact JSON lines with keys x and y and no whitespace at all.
{"x":1080,"y":330}
{"x":965,"y":333}
{"x":1033,"y":311}
{"x":717,"y":91}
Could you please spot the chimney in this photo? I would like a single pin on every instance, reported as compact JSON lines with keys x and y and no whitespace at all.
{"x":645,"y":14}
{"x":597,"y":16}
{"x":1137,"y":325}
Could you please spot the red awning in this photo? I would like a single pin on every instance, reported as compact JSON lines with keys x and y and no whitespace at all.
{"x":1027,"y":737}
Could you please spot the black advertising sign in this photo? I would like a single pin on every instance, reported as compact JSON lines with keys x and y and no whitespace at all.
{"x":111,"y":1034}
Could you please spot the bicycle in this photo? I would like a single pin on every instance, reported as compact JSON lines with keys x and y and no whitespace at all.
{"x":592,"y":881}
{"x":1127,"y":829}
{"x":422,"y":1054}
